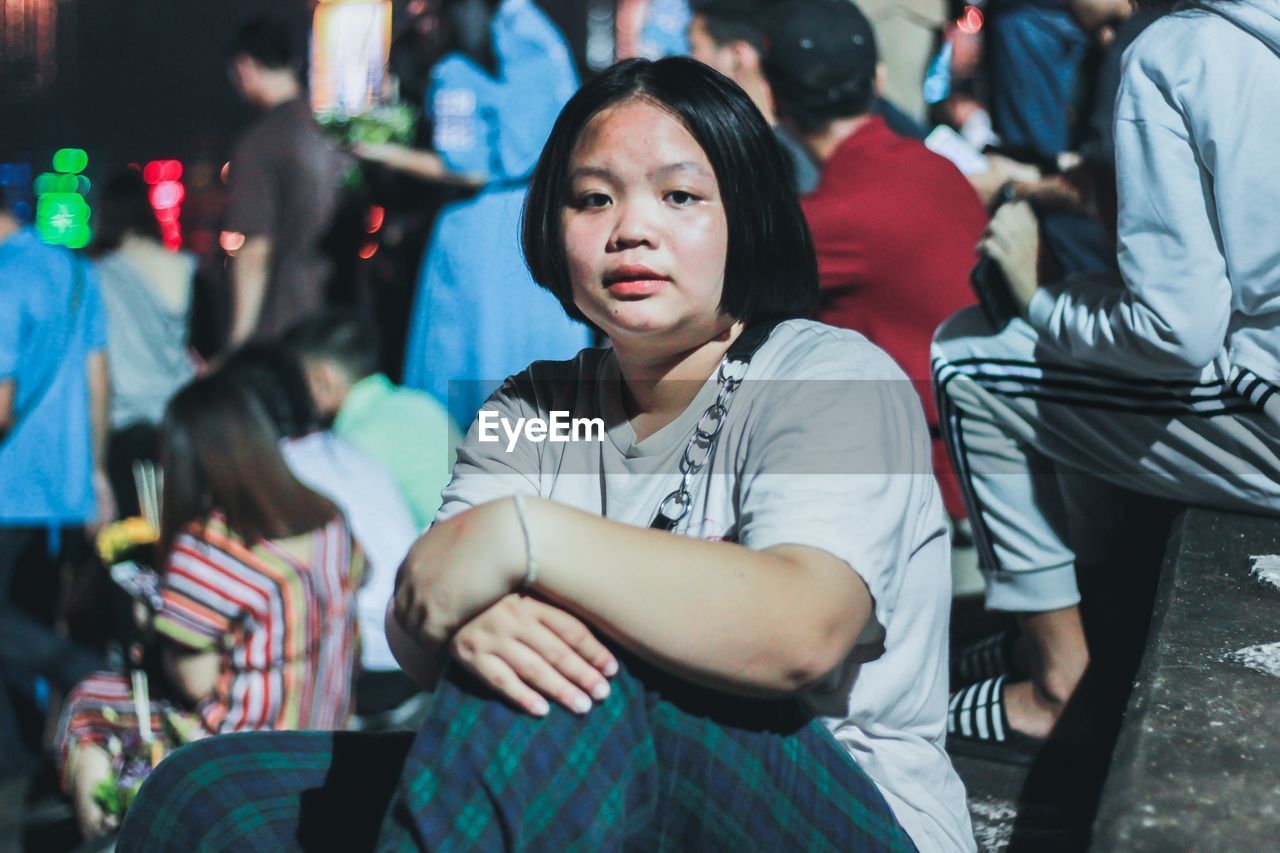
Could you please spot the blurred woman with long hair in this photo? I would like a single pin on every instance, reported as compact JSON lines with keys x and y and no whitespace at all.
{"x":255,"y":617}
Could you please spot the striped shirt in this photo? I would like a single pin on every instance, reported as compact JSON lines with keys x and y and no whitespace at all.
{"x":286,"y":625}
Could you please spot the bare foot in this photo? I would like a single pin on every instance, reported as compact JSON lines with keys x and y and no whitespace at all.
{"x":1057,"y":657}
{"x":1030,"y":712}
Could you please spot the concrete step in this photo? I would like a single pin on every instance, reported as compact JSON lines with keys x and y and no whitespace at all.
{"x":1197,"y":765}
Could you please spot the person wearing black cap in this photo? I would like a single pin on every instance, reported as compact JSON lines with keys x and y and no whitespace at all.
{"x":894,"y":225}
{"x":728,"y":36}
{"x":725,"y":35}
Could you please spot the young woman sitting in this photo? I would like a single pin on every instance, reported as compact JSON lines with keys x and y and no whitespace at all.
{"x":718,"y":622}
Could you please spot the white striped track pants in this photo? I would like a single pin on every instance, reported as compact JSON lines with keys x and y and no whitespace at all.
{"x":1022,"y":425}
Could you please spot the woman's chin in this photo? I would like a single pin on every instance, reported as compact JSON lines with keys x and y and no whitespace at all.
{"x":639,"y":318}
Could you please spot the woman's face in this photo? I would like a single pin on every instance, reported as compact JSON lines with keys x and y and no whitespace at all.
{"x":645,"y":231}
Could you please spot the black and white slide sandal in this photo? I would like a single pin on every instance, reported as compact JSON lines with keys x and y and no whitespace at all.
{"x":978,"y":726}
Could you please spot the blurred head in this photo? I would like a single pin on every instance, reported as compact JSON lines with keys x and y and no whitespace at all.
{"x":8,"y":222}
{"x":1100,"y":17}
{"x":662,"y":205}
{"x":335,"y":352}
{"x":262,"y":55}
{"x":124,"y":209}
{"x":274,"y":378}
{"x":220,"y":453}
{"x":726,"y":35}
{"x":820,"y":59}
{"x":470,"y":30}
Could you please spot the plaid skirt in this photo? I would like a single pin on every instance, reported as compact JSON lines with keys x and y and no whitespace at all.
{"x":659,"y":765}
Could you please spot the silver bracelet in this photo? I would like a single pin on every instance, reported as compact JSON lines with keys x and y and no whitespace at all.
{"x":530,"y":561}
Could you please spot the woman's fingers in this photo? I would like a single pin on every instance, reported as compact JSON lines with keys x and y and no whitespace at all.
{"x":539,"y":646}
{"x":567,"y":664}
{"x":495,"y":672}
{"x":578,"y":638}
{"x":545,"y":648}
{"x":522,"y":675}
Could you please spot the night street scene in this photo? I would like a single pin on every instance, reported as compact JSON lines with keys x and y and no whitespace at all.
{"x":686,"y":425}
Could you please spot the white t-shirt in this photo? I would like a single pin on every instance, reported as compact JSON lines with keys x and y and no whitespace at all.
{"x":825,"y":445}
{"x":380,"y":520}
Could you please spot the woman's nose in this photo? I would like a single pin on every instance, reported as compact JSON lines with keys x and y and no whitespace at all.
{"x":633,"y":227}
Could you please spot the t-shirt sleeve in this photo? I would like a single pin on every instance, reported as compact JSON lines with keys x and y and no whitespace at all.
{"x":841,"y":464}
{"x":488,"y":467}
{"x":254,"y":193}
{"x":203,"y":595}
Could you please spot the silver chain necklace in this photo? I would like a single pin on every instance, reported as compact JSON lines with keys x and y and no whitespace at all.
{"x":697,"y":452}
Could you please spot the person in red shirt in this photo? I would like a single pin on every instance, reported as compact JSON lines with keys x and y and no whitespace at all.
{"x":894,"y":225}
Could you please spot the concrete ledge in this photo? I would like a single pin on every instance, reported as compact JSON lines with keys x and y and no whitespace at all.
{"x":1197,"y":765}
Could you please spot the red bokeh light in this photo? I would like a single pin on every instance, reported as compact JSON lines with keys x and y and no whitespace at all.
{"x":377,"y":215}
{"x":167,"y":194}
{"x":368,"y":251}
{"x":971,"y":21}
{"x":166,"y":197}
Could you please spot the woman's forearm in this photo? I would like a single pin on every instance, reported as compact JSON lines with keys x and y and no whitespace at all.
{"x":754,"y":622}
{"x":420,"y":663}
{"x":427,"y":165}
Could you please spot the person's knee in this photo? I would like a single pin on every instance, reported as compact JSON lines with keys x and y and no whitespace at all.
{"x":161,"y":799}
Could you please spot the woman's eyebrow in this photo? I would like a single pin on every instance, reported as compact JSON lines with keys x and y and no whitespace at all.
{"x":684,"y":166}
{"x":592,"y":172}
{"x":605,"y":174}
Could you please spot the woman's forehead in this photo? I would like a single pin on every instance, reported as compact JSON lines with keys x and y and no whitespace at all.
{"x":638,"y":135}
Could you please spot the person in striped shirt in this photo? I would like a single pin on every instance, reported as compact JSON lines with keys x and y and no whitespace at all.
{"x":256,"y":619}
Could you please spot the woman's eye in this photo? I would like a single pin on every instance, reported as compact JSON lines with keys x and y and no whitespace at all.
{"x":592,"y":200}
{"x":681,"y":198}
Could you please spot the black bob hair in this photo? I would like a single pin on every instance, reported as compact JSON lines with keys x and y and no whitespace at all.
{"x":268,"y":40}
{"x":125,"y":208}
{"x":770,"y":269}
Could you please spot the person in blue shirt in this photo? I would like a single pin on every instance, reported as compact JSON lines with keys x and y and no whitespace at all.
{"x":53,"y":428}
{"x":492,"y":103}
{"x":1033,"y":50}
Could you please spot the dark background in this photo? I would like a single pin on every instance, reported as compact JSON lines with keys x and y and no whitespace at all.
{"x":143,"y":79}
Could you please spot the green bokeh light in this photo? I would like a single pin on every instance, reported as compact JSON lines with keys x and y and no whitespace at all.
{"x":70,"y":161}
{"x":62,"y":219}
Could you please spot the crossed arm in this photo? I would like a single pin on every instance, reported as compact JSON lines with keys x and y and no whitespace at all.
{"x":750,"y":622}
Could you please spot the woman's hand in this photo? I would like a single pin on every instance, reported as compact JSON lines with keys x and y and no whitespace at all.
{"x":92,"y":766}
{"x":458,"y":568}
{"x":529,"y":651}
{"x":1012,"y":239}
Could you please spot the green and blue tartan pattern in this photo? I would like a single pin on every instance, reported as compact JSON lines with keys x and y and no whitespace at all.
{"x":660,"y":765}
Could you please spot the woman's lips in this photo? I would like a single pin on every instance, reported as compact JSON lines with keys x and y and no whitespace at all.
{"x":634,"y":281}
{"x":632,"y":287}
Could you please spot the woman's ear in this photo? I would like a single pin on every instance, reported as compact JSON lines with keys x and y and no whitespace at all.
{"x":745,"y":59}
{"x":325,"y":382}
